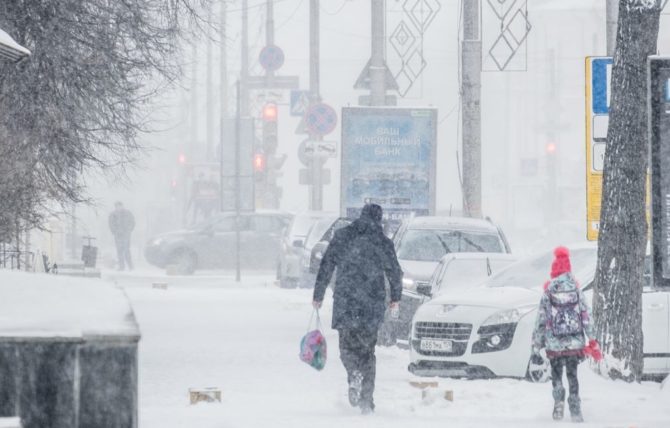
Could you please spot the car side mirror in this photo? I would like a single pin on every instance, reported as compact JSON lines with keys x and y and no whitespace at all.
{"x":425,"y":290}
{"x":298,"y":243}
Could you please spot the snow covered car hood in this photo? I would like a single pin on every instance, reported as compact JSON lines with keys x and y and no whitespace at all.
{"x":418,"y":270}
{"x":494,"y":297}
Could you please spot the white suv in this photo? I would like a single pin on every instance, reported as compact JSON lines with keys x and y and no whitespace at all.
{"x":486,"y":331}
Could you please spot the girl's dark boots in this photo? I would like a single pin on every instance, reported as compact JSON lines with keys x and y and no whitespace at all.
{"x":575,"y":408}
{"x":559,"y":403}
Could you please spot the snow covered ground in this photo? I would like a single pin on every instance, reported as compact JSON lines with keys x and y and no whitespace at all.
{"x":243,"y":338}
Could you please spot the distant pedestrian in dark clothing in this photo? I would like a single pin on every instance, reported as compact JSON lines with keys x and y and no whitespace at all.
{"x":563,"y":328}
{"x":122,"y":223}
{"x":363,"y":255}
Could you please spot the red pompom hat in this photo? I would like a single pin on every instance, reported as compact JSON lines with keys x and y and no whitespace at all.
{"x":561,"y":263}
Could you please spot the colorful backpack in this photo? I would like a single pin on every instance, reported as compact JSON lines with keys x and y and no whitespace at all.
{"x":566,"y":317}
{"x":313,"y":348}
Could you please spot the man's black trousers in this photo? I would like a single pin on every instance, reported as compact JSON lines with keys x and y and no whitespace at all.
{"x":357,"y":352}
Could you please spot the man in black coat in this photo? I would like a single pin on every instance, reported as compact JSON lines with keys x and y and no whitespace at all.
{"x":363,"y":255}
{"x":122,"y":223}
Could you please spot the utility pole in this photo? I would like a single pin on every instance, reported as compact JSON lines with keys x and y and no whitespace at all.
{"x":612,"y":12}
{"x":377,"y":60}
{"x":471,"y":75}
{"x":223,"y":83}
{"x":243,"y":92}
{"x":210,"y":95}
{"x":316,"y":199}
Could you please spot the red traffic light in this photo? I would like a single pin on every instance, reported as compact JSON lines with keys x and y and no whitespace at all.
{"x":551,"y":148}
{"x":270,"y":112}
{"x":259,"y":162}
{"x":181,"y":158}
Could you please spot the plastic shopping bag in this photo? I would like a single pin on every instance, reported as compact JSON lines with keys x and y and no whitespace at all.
{"x":313,"y":348}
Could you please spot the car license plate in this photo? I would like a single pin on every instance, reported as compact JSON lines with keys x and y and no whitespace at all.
{"x":436,"y":345}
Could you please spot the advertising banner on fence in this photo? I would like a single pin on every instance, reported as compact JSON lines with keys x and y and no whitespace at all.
{"x":388,"y":158}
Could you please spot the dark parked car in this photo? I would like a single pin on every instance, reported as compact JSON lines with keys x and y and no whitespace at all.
{"x":211,"y":244}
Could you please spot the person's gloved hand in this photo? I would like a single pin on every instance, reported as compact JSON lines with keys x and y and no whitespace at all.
{"x":317,"y":304}
{"x":394,"y":310}
{"x":536,"y":358}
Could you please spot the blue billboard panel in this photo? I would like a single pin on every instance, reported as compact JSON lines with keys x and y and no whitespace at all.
{"x":600,"y":68}
{"x":388,"y":158}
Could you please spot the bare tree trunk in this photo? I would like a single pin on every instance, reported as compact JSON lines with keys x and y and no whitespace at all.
{"x":623,"y":227}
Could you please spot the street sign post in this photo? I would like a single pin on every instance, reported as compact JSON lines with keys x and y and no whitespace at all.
{"x":389,"y":157}
{"x":658,"y":70}
{"x":246,"y":164}
{"x":598,"y":78}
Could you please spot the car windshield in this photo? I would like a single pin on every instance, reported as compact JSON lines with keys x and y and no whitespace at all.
{"x":533,"y":272}
{"x":317,"y":231}
{"x":431,"y":245}
{"x":463,"y":273}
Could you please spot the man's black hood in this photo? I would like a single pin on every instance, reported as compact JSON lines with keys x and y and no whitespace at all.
{"x":371,"y":218}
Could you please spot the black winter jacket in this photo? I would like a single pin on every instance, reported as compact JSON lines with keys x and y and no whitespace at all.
{"x":362,"y":254}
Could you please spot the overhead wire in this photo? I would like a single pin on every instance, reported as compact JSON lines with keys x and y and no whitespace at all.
{"x":337,"y":12}
{"x":290,"y":17}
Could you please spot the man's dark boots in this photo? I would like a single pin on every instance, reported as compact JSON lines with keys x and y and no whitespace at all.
{"x":559,"y":403}
{"x":575,"y":408}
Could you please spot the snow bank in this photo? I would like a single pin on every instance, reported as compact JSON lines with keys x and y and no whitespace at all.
{"x":42,"y":305}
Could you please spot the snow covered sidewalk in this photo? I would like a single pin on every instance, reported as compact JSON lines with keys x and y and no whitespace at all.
{"x":244,"y":339}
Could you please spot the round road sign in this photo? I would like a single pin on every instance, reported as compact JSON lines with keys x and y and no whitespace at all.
{"x":320,"y":119}
{"x":271,"y":58}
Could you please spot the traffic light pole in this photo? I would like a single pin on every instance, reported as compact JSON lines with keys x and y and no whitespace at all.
{"x":243,"y":93}
{"x":316,"y":199}
{"x":237,"y":183}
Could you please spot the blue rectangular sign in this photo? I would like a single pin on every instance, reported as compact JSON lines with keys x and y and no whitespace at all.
{"x":388,"y":158}
{"x":599,"y":85}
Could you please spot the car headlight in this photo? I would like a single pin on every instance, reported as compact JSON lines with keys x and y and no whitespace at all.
{"x":409,"y":284}
{"x":508,"y":316}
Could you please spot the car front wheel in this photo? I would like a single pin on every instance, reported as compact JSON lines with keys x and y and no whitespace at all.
{"x":182,"y":262}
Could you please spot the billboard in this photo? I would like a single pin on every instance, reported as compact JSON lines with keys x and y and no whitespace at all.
{"x":659,"y":134}
{"x":388,"y":158}
{"x":598,"y":78}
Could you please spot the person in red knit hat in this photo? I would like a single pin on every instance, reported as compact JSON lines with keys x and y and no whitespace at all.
{"x":563,"y":329}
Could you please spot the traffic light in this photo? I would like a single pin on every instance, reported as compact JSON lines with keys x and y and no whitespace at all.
{"x":270,"y":112}
{"x":259,"y":163}
{"x":550,"y":148}
{"x":270,"y":128}
{"x":266,"y":162}
{"x":181,"y":159}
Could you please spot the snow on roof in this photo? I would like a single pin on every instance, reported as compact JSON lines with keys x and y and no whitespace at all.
{"x":7,"y":42}
{"x":34,"y":305}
